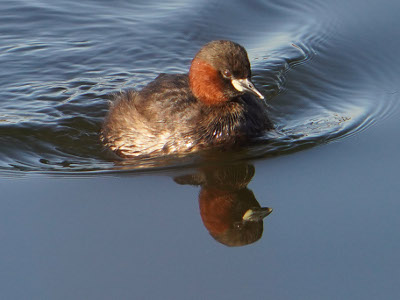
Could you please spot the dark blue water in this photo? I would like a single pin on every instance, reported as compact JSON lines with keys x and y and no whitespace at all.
{"x":74,"y":224}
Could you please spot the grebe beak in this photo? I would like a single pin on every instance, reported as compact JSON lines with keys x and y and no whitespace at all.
{"x":256,"y":214}
{"x":245,"y":85}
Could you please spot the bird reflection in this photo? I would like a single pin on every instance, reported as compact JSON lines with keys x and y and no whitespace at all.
{"x":229,"y":210}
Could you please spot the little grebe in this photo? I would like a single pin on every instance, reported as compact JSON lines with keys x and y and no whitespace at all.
{"x":212,"y":106}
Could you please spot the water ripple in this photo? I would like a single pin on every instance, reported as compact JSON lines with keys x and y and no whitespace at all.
{"x":321,"y":80}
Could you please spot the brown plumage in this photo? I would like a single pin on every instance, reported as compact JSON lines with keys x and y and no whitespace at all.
{"x":214,"y":105}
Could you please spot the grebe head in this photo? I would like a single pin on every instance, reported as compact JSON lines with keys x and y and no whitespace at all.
{"x":221,"y":71}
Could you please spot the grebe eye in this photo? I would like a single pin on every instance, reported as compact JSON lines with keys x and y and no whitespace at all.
{"x":227,"y":74}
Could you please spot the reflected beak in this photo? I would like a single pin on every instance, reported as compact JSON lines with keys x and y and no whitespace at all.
{"x":256,"y":214}
{"x":245,"y":85}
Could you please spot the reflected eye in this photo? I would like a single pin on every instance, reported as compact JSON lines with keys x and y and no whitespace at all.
{"x":238,"y":225}
{"x":227,"y":74}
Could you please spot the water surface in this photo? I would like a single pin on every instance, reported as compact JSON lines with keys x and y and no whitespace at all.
{"x":76,"y":224}
{"x":63,"y":61}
